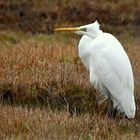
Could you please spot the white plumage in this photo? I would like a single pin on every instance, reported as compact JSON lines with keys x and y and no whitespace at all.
{"x":108,"y":65}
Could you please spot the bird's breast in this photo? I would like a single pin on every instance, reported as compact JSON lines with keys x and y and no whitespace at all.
{"x":85,"y":60}
{"x":84,"y":54}
{"x":84,"y":51}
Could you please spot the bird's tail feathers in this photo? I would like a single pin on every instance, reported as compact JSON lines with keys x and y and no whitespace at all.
{"x":128,"y":104}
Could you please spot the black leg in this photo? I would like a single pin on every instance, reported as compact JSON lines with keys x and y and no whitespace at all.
{"x":112,"y":113}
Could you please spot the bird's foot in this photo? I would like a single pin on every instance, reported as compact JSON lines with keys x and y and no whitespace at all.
{"x":112,"y":113}
{"x":115,"y":114}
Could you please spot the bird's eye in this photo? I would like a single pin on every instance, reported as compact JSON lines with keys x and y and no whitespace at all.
{"x":84,"y":29}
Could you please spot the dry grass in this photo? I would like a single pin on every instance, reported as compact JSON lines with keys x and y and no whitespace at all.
{"x":43,"y":80}
{"x":23,"y":123}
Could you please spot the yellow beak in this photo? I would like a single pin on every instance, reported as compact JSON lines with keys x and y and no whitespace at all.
{"x":73,"y":29}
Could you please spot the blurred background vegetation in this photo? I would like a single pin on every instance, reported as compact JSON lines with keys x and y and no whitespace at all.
{"x":35,"y":16}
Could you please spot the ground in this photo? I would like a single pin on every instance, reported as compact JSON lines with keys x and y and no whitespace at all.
{"x":46,"y":93}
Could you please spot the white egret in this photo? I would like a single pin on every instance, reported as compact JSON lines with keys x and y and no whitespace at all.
{"x":108,"y":65}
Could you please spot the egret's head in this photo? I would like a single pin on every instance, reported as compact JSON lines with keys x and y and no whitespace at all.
{"x":90,"y":30}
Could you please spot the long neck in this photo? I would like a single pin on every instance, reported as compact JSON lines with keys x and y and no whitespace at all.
{"x":93,"y":34}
